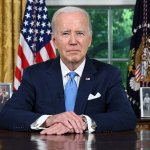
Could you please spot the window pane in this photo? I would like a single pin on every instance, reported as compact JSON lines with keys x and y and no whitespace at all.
{"x":51,"y":11}
{"x":99,"y":47}
{"x":122,"y":25}
{"x":123,"y":66}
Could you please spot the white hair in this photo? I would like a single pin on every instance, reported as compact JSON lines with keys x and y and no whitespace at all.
{"x":70,"y":9}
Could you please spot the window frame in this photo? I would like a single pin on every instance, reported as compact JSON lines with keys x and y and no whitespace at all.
{"x":109,"y":59}
{"x":90,"y":3}
{"x":97,"y":3}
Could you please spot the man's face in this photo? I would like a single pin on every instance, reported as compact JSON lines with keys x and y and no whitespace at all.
{"x":147,"y":95}
{"x":72,"y":37}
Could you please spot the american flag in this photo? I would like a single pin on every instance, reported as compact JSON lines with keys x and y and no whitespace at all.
{"x":35,"y":38}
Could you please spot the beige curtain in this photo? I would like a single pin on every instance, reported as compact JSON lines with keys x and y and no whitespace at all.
{"x":11,"y":14}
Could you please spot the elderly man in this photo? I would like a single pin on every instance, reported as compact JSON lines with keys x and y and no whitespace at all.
{"x":72,"y":93}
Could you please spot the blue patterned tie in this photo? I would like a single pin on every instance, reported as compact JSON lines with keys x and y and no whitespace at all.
{"x":70,"y":92}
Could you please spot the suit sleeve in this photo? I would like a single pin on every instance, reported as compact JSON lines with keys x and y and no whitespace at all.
{"x":18,"y":112}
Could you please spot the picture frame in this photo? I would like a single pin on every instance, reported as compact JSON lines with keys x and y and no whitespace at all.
{"x":5,"y":93}
{"x":145,"y":101}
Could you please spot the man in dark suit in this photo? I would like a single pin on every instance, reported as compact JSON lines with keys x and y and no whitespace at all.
{"x":101,"y":103}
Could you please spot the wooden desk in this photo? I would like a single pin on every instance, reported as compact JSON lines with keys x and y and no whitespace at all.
{"x":129,"y":140}
{"x":143,"y":124}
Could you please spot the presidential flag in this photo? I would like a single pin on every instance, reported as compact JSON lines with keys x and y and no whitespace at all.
{"x":35,"y":38}
{"x":139,"y":59}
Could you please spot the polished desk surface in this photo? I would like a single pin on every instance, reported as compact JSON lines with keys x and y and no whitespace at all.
{"x":129,"y":140}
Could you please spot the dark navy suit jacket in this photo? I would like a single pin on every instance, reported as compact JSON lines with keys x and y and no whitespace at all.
{"x":42,"y":92}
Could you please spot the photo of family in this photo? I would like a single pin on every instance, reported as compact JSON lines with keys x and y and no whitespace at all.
{"x":145,"y":101}
{"x":5,"y":93}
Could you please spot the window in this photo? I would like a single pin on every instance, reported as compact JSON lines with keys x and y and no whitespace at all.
{"x":111,"y":34}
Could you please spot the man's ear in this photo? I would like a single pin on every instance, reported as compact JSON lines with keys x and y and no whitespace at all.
{"x":54,"y":40}
{"x":90,"y":41}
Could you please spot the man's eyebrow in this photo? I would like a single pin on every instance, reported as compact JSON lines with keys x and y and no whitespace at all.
{"x":76,"y":31}
{"x":67,"y":30}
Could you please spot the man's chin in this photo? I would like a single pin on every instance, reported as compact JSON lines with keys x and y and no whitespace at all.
{"x":75,"y":60}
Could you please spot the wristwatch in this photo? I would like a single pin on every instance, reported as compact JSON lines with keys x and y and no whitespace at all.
{"x":91,"y":125}
{"x":85,"y":121}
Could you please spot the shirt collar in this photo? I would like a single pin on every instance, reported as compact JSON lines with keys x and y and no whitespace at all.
{"x":65,"y":70}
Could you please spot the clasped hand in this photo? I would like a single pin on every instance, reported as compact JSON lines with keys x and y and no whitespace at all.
{"x":67,"y":122}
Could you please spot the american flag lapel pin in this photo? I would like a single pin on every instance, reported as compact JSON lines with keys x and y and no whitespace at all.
{"x":87,"y":78}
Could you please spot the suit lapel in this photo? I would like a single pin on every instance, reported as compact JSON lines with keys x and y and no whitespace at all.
{"x":85,"y":86}
{"x":54,"y":76}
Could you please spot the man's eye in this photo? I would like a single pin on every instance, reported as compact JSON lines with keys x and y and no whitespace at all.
{"x":80,"y":33}
{"x":65,"y":33}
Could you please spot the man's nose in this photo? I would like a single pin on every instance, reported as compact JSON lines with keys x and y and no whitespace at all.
{"x":73,"y":39}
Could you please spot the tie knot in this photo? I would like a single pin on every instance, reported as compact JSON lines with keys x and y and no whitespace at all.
{"x":72,"y":74}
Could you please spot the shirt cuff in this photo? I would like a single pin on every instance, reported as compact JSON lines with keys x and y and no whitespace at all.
{"x":37,"y":124}
{"x":91,"y":125}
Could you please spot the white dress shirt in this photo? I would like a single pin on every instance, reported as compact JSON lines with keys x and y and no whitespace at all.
{"x":37,"y":124}
{"x":65,"y":72}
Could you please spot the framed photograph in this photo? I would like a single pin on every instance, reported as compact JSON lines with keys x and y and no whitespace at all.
{"x":145,"y":101}
{"x":5,"y":93}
